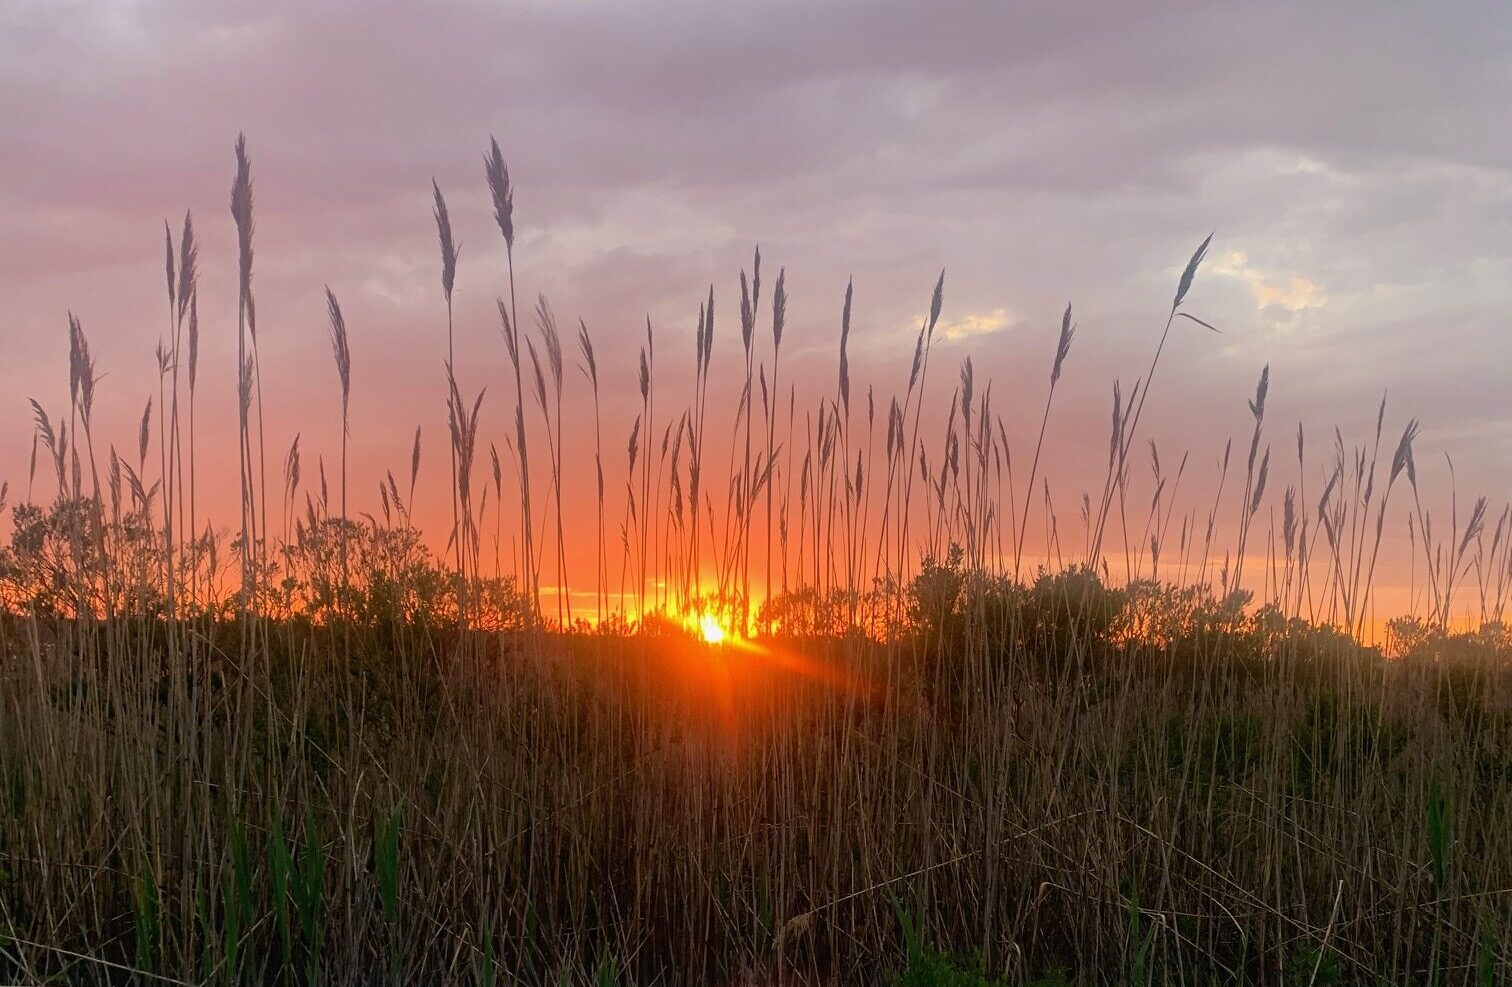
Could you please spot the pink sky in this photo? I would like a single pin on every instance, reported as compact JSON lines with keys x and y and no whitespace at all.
{"x":1356,"y":171}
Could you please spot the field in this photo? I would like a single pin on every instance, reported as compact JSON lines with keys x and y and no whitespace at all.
{"x":847,"y":730}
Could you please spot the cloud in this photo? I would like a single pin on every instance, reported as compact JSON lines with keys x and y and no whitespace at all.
{"x":975,"y":324}
{"x":1278,"y":295}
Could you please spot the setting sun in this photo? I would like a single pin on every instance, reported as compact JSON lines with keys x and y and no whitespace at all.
{"x":711,"y":629}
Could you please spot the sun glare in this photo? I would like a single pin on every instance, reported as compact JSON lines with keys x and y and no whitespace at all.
{"x":712,"y":632}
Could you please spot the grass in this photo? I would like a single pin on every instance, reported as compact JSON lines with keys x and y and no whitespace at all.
{"x":330,"y":751}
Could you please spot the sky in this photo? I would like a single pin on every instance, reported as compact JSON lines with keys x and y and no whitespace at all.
{"x":1353,"y":161}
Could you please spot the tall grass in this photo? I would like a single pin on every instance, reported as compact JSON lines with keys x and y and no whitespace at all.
{"x":351,"y":755}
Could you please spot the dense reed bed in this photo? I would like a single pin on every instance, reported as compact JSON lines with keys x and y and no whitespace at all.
{"x":313,"y":746}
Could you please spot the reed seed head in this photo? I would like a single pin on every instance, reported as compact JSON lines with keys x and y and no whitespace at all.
{"x":188,"y":276}
{"x":1062,"y":346}
{"x":193,"y":337}
{"x":339,"y":348}
{"x":936,"y":303}
{"x":449,"y":248}
{"x":144,"y":432}
{"x":845,"y":324}
{"x":1403,"y":455}
{"x":779,"y":308}
{"x":241,"y":211}
{"x":172,"y":283}
{"x":502,"y":192}
{"x":1185,"y":284}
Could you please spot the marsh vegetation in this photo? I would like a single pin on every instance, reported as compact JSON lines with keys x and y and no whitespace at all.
{"x":936,"y":732}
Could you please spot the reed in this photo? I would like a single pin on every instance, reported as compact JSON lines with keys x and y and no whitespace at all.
{"x":551,"y":342}
{"x":341,"y":352}
{"x":246,"y":321}
{"x":502,"y":193}
{"x":589,"y":368}
{"x":1062,"y":350}
{"x":449,"y":252}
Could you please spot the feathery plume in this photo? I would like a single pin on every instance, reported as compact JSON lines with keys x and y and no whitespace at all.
{"x":339,"y":348}
{"x":193,"y":336}
{"x":188,"y":276}
{"x":936,"y":302}
{"x":1257,"y":406}
{"x":172,"y":282}
{"x":1063,"y":346}
{"x":241,"y":211}
{"x":144,"y":433}
{"x":1189,"y":273}
{"x":503,"y":193}
{"x":1403,"y":455}
{"x":845,"y":323}
{"x":415,"y":460}
{"x":449,"y":247}
{"x":585,"y":345}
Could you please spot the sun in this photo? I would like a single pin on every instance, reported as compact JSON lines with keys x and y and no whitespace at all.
{"x":711,"y":630}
